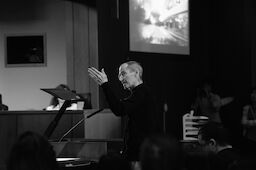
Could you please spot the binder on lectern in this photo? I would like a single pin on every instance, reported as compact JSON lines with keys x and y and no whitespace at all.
{"x":63,"y":94}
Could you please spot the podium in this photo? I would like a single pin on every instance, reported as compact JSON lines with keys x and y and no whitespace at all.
{"x":66,"y":95}
{"x":102,"y":134}
{"x":86,"y":149}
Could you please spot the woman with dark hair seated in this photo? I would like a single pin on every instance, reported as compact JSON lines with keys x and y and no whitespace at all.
{"x":56,"y":103}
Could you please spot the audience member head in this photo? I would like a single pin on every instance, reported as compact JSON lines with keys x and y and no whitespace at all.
{"x":161,"y":152}
{"x":32,"y":152}
{"x":213,"y":137}
{"x":253,"y":95}
{"x":55,"y":101}
{"x":113,"y":161}
{"x":130,"y":74}
{"x":205,"y":86}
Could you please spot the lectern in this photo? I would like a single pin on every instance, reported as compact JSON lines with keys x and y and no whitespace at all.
{"x":85,"y":149}
{"x":68,"y":97}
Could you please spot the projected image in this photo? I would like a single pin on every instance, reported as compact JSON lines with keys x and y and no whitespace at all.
{"x":160,"y":26}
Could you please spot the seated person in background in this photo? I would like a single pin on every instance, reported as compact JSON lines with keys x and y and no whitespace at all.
{"x":56,"y":103}
{"x":248,"y":122}
{"x":215,"y":142}
{"x":207,"y":103}
{"x":249,"y":117}
{"x":161,"y":152}
{"x":32,"y":152}
{"x":2,"y":106}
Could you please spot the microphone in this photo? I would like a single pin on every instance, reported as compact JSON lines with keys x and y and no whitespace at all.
{"x":165,"y":107}
{"x":79,"y":122}
{"x":164,"y":116}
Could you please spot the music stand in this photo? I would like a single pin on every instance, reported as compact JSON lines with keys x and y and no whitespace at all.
{"x":66,"y":95}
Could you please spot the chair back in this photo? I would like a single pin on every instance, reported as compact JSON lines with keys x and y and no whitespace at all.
{"x":191,"y":125}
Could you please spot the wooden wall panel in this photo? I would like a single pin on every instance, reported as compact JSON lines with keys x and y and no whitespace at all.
{"x":8,"y":133}
{"x":93,"y":54}
{"x":104,"y":125}
{"x":69,"y":43}
{"x":82,"y":48}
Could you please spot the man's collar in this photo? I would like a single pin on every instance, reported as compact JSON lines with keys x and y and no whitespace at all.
{"x":136,"y":87}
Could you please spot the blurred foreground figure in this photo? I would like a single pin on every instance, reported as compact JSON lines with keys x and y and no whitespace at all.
{"x":32,"y":152}
{"x":161,"y":153}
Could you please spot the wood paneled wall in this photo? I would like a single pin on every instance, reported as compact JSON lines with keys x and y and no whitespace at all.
{"x":82,"y":48}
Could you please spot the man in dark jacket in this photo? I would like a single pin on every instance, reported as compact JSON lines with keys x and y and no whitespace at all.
{"x":138,"y":107}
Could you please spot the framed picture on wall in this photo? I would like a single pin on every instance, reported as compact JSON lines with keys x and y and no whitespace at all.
{"x":25,"y":50}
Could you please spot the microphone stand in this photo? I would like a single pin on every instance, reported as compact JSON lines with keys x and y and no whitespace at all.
{"x":164,"y":117}
{"x":56,"y":120}
{"x":79,"y":122}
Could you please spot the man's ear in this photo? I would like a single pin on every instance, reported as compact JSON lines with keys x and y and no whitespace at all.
{"x":212,"y":142}
{"x":137,"y":73}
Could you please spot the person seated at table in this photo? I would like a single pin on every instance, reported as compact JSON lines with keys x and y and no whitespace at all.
{"x":249,"y":116}
{"x":56,"y":103}
{"x":3,"y":106}
{"x":207,"y":102}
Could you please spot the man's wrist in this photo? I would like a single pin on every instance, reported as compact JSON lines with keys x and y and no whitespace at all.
{"x":104,"y":83}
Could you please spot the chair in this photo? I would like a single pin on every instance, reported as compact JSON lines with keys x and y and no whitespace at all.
{"x":191,"y":125}
{"x":86,"y":100}
{"x":3,"y":106}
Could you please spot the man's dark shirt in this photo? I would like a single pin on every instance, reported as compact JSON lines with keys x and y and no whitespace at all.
{"x":139,"y":109}
{"x":224,"y":159}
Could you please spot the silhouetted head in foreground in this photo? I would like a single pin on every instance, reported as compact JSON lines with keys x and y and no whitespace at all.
{"x":32,"y":152}
{"x":161,"y":153}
